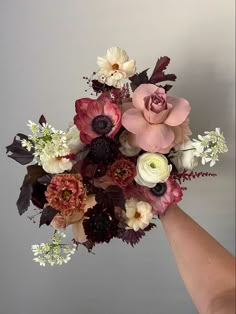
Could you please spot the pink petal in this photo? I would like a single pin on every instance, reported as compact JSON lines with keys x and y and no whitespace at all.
{"x":155,"y":138}
{"x":134,"y":121}
{"x":156,"y":118}
{"x":95,"y":108}
{"x":140,"y":92}
{"x":86,"y":138}
{"x":78,"y":232}
{"x":126,"y":106}
{"x":113,"y":111}
{"x":180,"y":111}
{"x":82,"y":104}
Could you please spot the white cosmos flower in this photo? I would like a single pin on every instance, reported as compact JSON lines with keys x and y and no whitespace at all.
{"x":152,"y":168}
{"x":114,"y":67}
{"x":138,"y":213}
{"x":184,"y":156}
{"x":55,"y":164}
{"x":73,"y":141}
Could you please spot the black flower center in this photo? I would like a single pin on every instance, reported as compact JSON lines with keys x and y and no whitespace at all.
{"x":159,"y":189}
{"x":102,"y":124}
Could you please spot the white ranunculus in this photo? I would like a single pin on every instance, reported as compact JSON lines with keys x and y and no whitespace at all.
{"x":125,"y":148}
{"x":152,"y":168}
{"x":184,"y":157}
{"x":138,"y":213}
{"x":114,"y":67}
{"x":73,"y":140}
{"x":55,"y":164}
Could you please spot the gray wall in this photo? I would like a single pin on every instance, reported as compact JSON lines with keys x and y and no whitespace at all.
{"x":46,"y":48}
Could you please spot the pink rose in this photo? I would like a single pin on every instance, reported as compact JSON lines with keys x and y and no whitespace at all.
{"x":154,"y":117}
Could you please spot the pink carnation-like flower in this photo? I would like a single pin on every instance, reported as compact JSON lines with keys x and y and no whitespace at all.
{"x":154,"y":117}
{"x":97,"y":117}
{"x":163,"y":195}
{"x":66,"y":193}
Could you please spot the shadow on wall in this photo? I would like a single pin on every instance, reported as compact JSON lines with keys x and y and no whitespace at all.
{"x":211,"y":97}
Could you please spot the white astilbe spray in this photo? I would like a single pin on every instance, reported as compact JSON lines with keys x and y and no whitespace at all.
{"x":54,"y":252}
{"x":209,"y":146}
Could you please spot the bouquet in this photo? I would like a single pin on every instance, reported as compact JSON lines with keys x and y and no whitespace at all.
{"x":120,"y":164}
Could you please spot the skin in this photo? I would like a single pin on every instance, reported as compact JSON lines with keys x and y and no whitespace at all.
{"x":206,"y":267}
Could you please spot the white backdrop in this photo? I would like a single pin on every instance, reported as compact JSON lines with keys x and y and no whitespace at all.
{"x":46,"y":48}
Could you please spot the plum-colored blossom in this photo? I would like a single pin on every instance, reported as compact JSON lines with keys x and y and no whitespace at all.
{"x":97,"y":117}
{"x":163,"y":195}
{"x":154,"y":118}
{"x":66,"y":193}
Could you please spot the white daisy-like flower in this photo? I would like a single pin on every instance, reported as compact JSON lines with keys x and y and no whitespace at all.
{"x":114,"y":67}
{"x":138,"y":213}
{"x":55,"y":164}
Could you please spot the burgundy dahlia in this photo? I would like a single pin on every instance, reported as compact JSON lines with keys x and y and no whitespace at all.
{"x":122,"y":172}
{"x":103,"y":150}
{"x":100,"y":224}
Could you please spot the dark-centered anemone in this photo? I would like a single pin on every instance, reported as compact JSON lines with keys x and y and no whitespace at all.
{"x":102,"y":124}
{"x":159,"y":189}
{"x":100,"y":224}
{"x":103,"y":150}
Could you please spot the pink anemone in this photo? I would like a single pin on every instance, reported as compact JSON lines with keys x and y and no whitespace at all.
{"x":97,"y":117}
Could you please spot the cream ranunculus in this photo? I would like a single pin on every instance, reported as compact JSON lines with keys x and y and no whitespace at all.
{"x":152,"y":168}
{"x":138,"y":213}
{"x":73,"y":140}
{"x":184,"y":158}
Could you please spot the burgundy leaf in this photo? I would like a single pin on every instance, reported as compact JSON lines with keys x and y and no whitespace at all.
{"x":26,"y":189}
{"x":35,"y":172}
{"x":77,"y":167}
{"x":42,"y":120}
{"x":38,"y":197}
{"x":19,"y":153}
{"x":112,"y":196}
{"x":45,"y":180}
{"x":150,"y":227}
{"x":161,"y":65}
{"x":89,"y":245}
{"x":138,"y":79}
{"x":130,"y":236}
{"x":47,"y":216}
{"x":158,"y":74}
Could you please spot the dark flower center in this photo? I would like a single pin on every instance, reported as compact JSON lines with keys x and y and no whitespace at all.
{"x":115,"y":66}
{"x":159,"y":189}
{"x":65,"y":194}
{"x":102,"y":124}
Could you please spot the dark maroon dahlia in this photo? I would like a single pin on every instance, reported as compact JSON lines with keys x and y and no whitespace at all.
{"x":103,"y":150}
{"x":100,"y":224}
